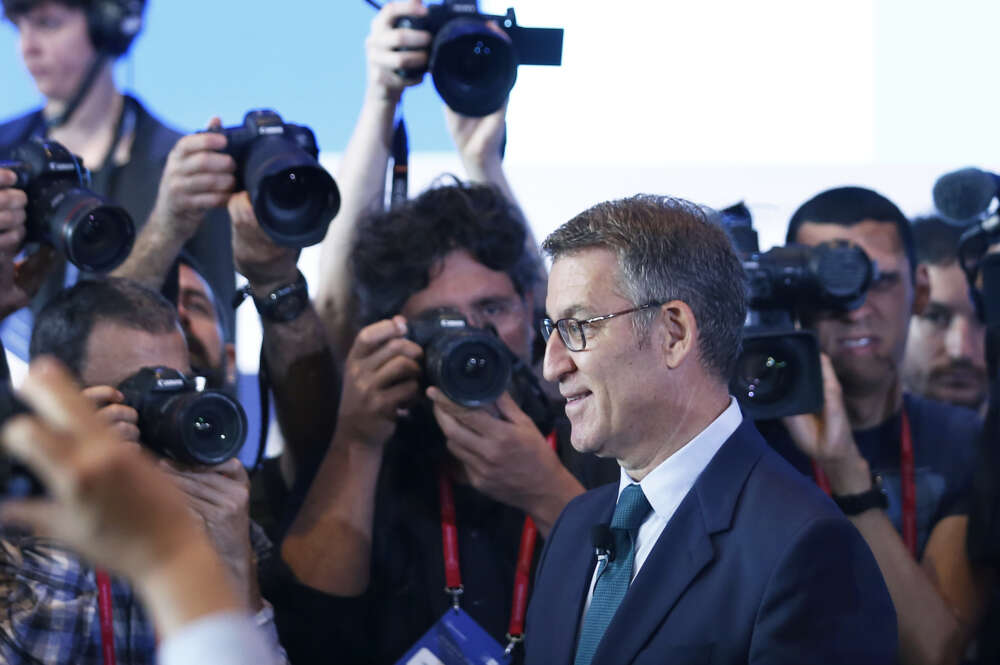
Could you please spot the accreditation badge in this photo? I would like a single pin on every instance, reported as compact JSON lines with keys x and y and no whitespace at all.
{"x":456,"y":639}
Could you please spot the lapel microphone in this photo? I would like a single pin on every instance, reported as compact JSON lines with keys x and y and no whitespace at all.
{"x":604,"y":542}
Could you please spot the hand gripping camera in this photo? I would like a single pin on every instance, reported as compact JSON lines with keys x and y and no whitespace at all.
{"x":62,"y":212}
{"x":470,"y":365}
{"x":778,"y":372}
{"x":474,"y":67}
{"x":294,"y":198}
{"x":179,"y":422}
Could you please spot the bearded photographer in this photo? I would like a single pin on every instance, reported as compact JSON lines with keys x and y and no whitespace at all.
{"x":898,"y":465}
{"x":105,"y":331}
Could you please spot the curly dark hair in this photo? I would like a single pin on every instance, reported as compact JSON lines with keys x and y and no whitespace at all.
{"x":394,"y":252}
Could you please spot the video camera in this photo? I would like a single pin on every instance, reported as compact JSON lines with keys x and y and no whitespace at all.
{"x":473,"y":66}
{"x":62,"y":211}
{"x":778,"y":372}
{"x":179,"y":422}
{"x":294,"y":198}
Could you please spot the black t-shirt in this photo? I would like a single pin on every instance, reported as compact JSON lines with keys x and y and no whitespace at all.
{"x":406,"y":595}
{"x":944,"y":443}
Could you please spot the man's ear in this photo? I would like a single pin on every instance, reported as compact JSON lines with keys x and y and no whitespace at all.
{"x":921,"y":289}
{"x":679,"y":332}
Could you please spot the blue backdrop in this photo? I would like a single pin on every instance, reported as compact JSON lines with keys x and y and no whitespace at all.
{"x":304,"y":58}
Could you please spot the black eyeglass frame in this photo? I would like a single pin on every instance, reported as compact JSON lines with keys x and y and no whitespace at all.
{"x":562,"y":325}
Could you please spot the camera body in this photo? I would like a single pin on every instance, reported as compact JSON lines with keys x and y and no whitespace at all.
{"x":294,"y":198}
{"x":472,"y":366}
{"x":778,"y":372}
{"x":62,"y":211}
{"x":474,"y":67}
{"x":179,"y":422}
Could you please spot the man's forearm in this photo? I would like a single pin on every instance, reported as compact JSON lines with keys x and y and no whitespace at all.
{"x":328,"y":546}
{"x":928,"y":630}
{"x":154,"y":252}
{"x":304,"y":383}
{"x":361,"y":180}
{"x":546,"y":508}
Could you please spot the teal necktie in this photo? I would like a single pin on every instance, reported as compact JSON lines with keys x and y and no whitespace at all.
{"x":613,"y":577}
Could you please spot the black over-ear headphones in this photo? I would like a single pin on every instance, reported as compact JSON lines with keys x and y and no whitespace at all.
{"x":113,"y":24}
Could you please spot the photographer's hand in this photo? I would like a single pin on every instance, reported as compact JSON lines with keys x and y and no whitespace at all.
{"x":113,"y":411}
{"x":12,"y":214}
{"x":265,"y":264}
{"x":826,"y":438}
{"x":108,"y":502}
{"x":15,"y":289}
{"x":390,"y":49}
{"x":506,"y":457}
{"x":196,"y":178}
{"x":220,"y":496}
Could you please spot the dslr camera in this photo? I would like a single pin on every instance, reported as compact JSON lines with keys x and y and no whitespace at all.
{"x":62,"y":211}
{"x":294,"y":198}
{"x":179,"y":422}
{"x":470,"y":365}
{"x":473,"y":66}
{"x":778,"y":372}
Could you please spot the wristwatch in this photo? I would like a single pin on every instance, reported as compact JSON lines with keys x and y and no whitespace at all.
{"x":855,"y":504}
{"x":285,"y":303}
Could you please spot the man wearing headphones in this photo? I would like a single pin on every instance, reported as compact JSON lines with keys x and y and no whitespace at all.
{"x":68,"y":47}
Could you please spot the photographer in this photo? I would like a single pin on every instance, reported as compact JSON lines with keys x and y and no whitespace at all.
{"x":945,"y":359}
{"x":69,"y":47}
{"x":870,"y":433}
{"x":366,"y":545}
{"x":109,"y":502}
{"x":106,"y":331}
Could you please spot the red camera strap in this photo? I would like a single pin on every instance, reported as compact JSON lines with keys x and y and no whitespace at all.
{"x":907,"y":472}
{"x":452,"y":569}
{"x":106,"y":613}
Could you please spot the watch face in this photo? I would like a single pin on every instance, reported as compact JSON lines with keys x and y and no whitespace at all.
{"x":289,"y":306}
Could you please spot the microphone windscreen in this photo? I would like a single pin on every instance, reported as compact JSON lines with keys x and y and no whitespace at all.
{"x":961,"y":196}
{"x":602,"y":538}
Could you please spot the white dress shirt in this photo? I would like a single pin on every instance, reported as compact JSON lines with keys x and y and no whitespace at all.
{"x":667,"y":485}
{"x":220,"y":639}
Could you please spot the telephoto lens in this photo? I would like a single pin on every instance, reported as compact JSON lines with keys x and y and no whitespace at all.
{"x":470,"y":365}
{"x":293,"y":196}
{"x":62,"y":212}
{"x":178,"y":422}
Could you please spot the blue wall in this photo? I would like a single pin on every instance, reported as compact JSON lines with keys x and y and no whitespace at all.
{"x":304,"y":58}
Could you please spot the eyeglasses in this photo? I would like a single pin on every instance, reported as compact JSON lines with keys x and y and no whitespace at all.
{"x":571,"y":330}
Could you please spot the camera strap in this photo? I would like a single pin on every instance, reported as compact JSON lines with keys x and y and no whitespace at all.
{"x":907,"y":473}
{"x":106,"y":612}
{"x":452,"y":569}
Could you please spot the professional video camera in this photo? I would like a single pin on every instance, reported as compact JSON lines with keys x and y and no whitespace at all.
{"x":470,"y":365}
{"x":62,"y":212}
{"x":778,"y":372}
{"x":293,"y":197}
{"x":474,"y":66}
{"x":178,"y":421}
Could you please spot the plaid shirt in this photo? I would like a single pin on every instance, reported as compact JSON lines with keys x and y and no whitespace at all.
{"x":50,"y":611}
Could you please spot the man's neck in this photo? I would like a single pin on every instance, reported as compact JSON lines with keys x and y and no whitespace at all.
{"x":699,"y":410}
{"x":871,"y":408}
{"x":97,"y":113}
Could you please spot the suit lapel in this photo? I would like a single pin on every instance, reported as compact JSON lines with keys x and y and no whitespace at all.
{"x":684,"y":548}
{"x":577,"y":566}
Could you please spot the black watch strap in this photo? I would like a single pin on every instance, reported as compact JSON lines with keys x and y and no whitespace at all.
{"x":284,"y":303}
{"x":855,"y":504}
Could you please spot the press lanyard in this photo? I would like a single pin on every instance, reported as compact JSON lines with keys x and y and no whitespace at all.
{"x":908,"y":480}
{"x":107,"y":617}
{"x":452,"y":570}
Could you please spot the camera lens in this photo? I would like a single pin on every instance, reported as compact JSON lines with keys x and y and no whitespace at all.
{"x":470,"y":367}
{"x":765,"y":376}
{"x":293,"y":197}
{"x":95,"y":236}
{"x":473,"y":66}
{"x":212,"y":428}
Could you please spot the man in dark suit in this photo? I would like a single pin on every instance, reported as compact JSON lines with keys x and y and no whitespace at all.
{"x":713,"y":549}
